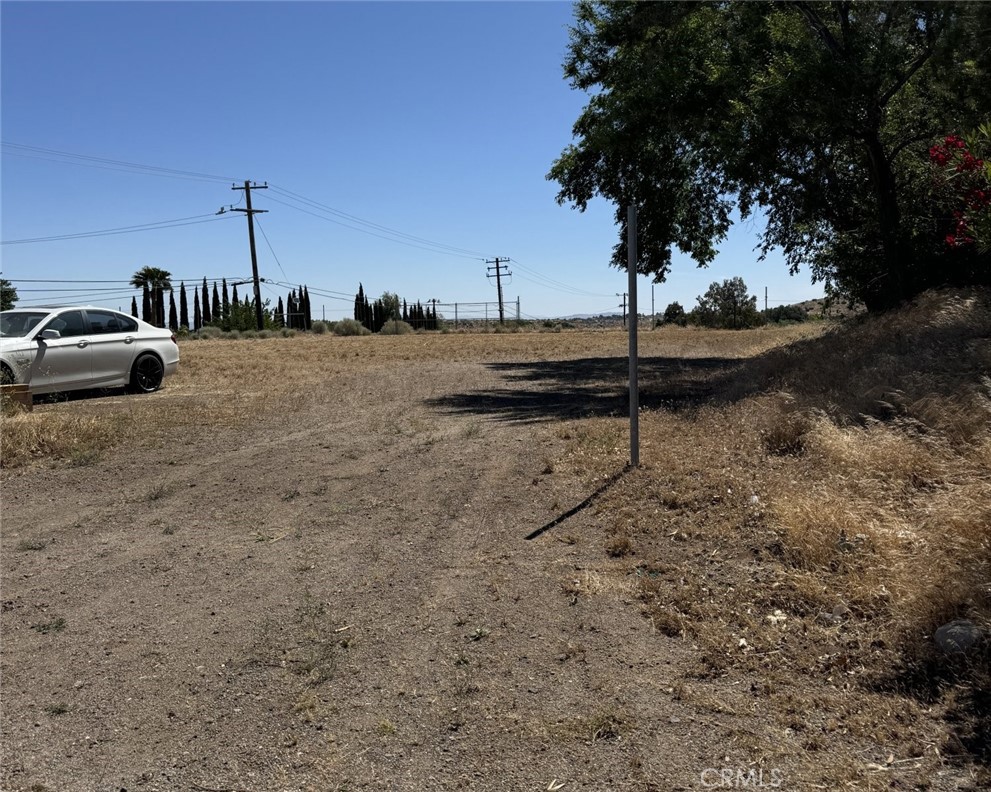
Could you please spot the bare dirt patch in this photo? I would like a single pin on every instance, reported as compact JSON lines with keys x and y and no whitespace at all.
{"x":303,"y":566}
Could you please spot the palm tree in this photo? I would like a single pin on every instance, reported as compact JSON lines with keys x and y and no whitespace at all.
{"x":156,"y":281}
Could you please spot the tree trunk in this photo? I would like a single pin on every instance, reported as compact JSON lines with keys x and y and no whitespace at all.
{"x":890,"y":287}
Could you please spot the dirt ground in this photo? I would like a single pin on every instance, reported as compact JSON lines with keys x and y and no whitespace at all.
{"x":339,"y":594}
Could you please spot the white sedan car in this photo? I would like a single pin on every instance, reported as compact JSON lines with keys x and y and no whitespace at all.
{"x":55,"y":349}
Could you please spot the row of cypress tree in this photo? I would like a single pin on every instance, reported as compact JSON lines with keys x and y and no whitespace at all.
{"x":374,"y":315}
{"x":222,"y":308}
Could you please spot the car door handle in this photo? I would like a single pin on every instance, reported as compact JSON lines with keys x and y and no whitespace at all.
{"x":129,"y":340}
{"x":83,"y":344}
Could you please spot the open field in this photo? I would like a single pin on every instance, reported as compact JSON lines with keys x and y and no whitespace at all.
{"x":303,"y":565}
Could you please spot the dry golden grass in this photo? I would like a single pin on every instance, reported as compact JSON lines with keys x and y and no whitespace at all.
{"x":27,"y":437}
{"x":819,"y":519}
{"x":232,"y":383}
{"x":805,"y":521}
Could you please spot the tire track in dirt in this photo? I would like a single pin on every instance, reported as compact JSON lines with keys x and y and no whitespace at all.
{"x":334,"y":598}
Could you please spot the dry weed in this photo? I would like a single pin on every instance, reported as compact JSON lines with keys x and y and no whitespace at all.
{"x":27,"y":437}
{"x":818,"y":521}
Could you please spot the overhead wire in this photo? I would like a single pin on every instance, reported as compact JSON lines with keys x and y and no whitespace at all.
{"x":162,"y":224}
{"x":75,"y":298}
{"x":333,"y":295}
{"x":291,"y":285}
{"x":292,"y":200}
{"x":69,"y":158}
{"x":551,"y":283}
{"x":378,"y":226}
{"x":265,"y":236}
{"x":127,"y":281}
{"x":366,"y":231}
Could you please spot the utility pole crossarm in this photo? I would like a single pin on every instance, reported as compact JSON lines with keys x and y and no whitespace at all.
{"x":500,"y":271}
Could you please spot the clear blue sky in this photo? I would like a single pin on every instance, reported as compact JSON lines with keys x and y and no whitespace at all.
{"x":436,"y":120}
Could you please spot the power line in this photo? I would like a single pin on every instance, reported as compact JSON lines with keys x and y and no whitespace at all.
{"x":551,"y":283}
{"x":265,"y":237}
{"x":378,"y":226}
{"x":171,"y":277}
{"x":52,"y":280}
{"x":366,"y":231}
{"x":314,"y":290}
{"x":290,"y":285}
{"x":69,"y":158}
{"x":162,"y":224}
{"x":66,"y":291}
{"x":75,"y":298}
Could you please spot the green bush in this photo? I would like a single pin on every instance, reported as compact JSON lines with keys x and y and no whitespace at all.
{"x":786,"y":313}
{"x":209,"y":333}
{"x":396,"y":327}
{"x":320,"y":328}
{"x":350,"y":327}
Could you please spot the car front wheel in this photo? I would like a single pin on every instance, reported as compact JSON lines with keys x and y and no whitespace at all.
{"x":146,"y":374}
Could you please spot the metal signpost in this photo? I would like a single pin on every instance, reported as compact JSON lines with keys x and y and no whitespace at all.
{"x":631,"y":245}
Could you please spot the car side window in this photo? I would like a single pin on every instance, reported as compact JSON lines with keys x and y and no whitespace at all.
{"x":68,"y":324}
{"x":110,"y":322}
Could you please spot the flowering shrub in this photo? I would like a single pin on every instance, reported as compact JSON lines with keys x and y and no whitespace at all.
{"x":964,"y":179}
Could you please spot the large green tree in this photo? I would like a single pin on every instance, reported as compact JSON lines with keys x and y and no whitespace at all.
{"x":727,"y":305}
{"x":818,"y":114}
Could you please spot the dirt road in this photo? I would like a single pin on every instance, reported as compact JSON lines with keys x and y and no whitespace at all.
{"x":337,"y":595}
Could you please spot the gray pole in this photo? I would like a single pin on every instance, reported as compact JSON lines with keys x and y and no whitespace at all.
{"x":631,"y":244}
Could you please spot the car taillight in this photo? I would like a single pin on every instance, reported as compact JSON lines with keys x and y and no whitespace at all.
{"x":174,"y":340}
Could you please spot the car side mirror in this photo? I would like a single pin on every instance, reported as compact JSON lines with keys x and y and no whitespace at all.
{"x":50,"y":334}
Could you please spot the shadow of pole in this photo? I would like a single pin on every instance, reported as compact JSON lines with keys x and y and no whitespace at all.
{"x":610,"y":482}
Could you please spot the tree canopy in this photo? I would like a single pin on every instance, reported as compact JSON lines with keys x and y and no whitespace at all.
{"x":8,"y":294}
{"x":153,"y":278}
{"x":727,"y":305}
{"x":819,"y":114}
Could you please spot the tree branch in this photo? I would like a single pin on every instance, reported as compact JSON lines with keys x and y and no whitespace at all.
{"x":905,"y":144}
{"x":901,"y":79}
{"x":819,"y":28}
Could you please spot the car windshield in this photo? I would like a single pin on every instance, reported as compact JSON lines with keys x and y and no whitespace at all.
{"x":17,"y":324}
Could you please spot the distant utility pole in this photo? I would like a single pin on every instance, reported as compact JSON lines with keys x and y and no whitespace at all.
{"x":623,"y":306}
{"x":765,"y":299}
{"x":498,"y":276}
{"x":248,"y":186}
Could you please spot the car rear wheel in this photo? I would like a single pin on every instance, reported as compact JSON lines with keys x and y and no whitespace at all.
{"x":6,"y":375}
{"x":147,"y":374}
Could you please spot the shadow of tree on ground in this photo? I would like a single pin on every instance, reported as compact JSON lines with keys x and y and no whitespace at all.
{"x":591,"y":387}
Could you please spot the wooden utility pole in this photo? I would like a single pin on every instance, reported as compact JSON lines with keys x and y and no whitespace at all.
{"x":251,"y":240}
{"x":623,"y":306}
{"x":498,"y":276}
